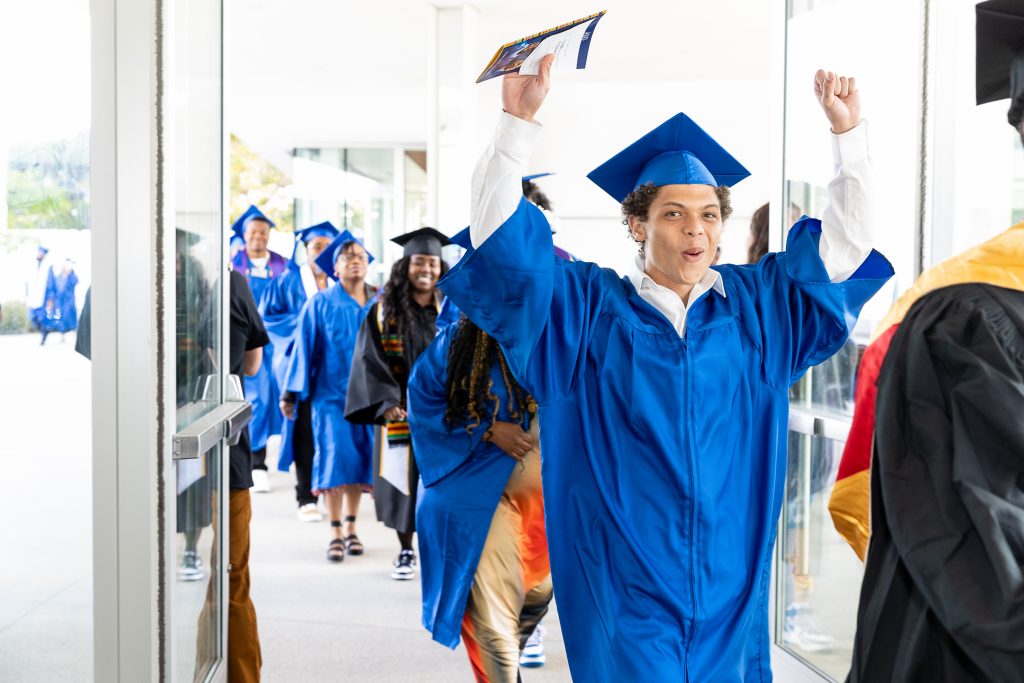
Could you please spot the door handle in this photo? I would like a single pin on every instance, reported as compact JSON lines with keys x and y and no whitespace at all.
{"x":226,"y":421}
{"x":824,"y":426}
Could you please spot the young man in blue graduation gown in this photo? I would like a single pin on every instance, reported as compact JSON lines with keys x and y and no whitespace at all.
{"x":259,"y":265}
{"x":280,"y":305}
{"x":663,"y":395}
{"x":318,"y":371}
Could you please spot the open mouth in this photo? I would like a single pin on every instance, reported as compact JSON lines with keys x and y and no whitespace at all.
{"x":693,"y":255}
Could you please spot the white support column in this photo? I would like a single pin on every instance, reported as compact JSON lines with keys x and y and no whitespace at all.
{"x":124,"y":354}
{"x":451,"y":141}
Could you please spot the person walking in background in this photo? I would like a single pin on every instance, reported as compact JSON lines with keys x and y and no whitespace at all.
{"x":244,"y":656}
{"x":38,"y":286}
{"x":397,"y":329}
{"x":280,"y":306}
{"x":475,"y":435}
{"x":259,"y":265}
{"x":318,"y":372}
{"x":64,"y":282}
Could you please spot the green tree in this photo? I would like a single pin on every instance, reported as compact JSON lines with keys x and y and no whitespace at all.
{"x":48,"y":185}
{"x":254,"y":180}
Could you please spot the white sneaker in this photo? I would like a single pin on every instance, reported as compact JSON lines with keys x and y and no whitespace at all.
{"x":532,"y":655}
{"x":260,"y":481}
{"x":191,"y":567}
{"x":801,"y":630}
{"x":309,"y":513}
{"x":405,"y":566}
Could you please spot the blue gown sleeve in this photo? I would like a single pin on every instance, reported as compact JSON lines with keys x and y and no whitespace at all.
{"x":303,"y":355}
{"x":541,"y":309}
{"x":439,"y":450}
{"x":278,"y":315}
{"x":804,"y":317}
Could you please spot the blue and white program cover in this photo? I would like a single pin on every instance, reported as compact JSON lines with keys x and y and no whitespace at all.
{"x":570,"y":43}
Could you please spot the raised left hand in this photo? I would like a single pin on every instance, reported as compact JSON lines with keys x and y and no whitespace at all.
{"x":839,"y":98}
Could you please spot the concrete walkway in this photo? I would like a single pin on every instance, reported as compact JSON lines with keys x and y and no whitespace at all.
{"x":348,"y":621}
{"x":318,"y":621}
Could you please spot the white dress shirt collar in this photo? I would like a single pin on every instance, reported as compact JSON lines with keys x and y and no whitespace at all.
{"x":668,"y":302}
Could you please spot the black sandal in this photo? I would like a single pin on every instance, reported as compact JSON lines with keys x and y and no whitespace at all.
{"x":353,"y":546}
{"x":336,"y":550}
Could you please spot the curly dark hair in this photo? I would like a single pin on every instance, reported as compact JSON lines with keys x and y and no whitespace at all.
{"x":535,"y":195}
{"x":469,"y":387}
{"x":638,"y":203}
{"x":397,"y":297}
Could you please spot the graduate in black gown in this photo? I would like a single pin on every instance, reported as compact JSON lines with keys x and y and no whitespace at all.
{"x":395,"y":332}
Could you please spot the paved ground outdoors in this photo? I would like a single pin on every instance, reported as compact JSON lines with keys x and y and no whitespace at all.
{"x":317,"y":620}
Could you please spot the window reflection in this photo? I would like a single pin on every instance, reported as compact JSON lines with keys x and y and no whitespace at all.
{"x":820,"y":582}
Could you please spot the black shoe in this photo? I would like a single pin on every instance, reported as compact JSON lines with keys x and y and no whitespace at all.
{"x":405,"y":566}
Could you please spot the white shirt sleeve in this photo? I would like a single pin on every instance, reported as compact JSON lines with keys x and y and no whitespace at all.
{"x":847,"y":228}
{"x":497,"y":180}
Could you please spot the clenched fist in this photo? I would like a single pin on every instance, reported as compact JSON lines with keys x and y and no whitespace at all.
{"x":839,"y":97}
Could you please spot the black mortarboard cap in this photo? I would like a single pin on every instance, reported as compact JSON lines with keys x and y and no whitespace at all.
{"x":422,"y":241}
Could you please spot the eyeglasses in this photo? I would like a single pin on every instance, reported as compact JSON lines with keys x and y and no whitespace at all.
{"x":353,"y":257}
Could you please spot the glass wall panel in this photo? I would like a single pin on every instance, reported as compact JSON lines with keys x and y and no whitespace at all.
{"x":46,"y":538}
{"x":197,"y":201}
{"x":978,"y":156}
{"x":819,"y":575}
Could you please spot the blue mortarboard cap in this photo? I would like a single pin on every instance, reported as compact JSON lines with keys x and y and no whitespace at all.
{"x":678,"y":152}
{"x":43,"y":250}
{"x":329,"y":256}
{"x":462,"y":238}
{"x":528,"y":178}
{"x":238,"y":227}
{"x":324,"y":229}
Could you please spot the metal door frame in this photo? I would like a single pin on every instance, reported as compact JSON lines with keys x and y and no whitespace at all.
{"x":133,"y":295}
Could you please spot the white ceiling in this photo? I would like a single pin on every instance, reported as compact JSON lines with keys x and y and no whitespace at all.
{"x":322,"y":72}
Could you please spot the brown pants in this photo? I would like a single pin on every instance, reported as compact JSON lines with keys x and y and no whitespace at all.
{"x":244,"y":658}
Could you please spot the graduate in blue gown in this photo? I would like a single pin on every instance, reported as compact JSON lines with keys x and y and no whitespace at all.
{"x":280,"y":305}
{"x":318,"y":370}
{"x":488,"y":575}
{"x":259,"y":265}
{"x":664,"y":395}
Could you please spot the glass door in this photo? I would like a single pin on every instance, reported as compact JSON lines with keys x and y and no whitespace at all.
{"x":196,"y":566}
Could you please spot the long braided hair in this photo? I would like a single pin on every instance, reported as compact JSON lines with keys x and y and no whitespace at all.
{"x":397,"y":298}
{"x":469,"y":387}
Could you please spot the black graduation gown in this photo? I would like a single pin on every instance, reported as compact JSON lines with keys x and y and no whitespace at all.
{"x":376,"y":383}
{"x":943,"y":591}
